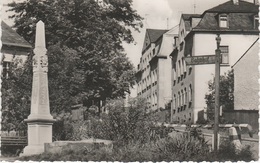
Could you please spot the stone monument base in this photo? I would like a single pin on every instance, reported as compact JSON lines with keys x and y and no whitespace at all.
{"x":38,"y":134}
{"x":32,"y":150}
{"x":78,"y":146}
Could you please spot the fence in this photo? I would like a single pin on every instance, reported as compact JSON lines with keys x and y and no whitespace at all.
{"x":13,"y":138}
{"x":243,"y":116}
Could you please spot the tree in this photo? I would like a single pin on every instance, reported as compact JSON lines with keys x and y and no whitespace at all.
{"x":17,"y":88}
{"x":94,"y":30}
{"x":16,"y":97}
{"x":226,"y":92}
{"x":86,"y":58}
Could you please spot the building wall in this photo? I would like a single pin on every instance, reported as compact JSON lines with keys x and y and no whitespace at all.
{"x":205,"y":44}
{"x":164,"y":67}
{"x":154,"y":84}
{"x":246,"y":77}
{"x":182,"y":85}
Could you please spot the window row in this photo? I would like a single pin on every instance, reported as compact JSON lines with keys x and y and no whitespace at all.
{"x":146,"y":59}
{"x":148,"y":82}
{"x":182,"y":97}
{"x":152,"y":100}
{"x":179,"y":69}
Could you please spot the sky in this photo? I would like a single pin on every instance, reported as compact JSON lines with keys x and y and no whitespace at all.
{"x":157,"y":14}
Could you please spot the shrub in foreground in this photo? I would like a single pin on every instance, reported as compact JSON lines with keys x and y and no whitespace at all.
{"x":180,"y":148}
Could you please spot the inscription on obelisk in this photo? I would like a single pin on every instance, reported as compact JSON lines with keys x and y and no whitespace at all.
{"x":40,"y":120}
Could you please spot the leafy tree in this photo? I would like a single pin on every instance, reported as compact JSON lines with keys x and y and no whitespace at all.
{"x":16,"y":97}
{"x":86,"y":58}
{"x":226,"y":92}
{"x":17,"y":88}
{"x":95,"y":30}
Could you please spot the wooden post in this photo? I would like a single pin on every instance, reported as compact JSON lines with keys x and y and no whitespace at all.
{"x":217,"y":76}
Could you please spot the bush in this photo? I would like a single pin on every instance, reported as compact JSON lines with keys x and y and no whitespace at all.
{"x":182,"y":147}
{"x":228,"y":152}
{"x":121,"y":124}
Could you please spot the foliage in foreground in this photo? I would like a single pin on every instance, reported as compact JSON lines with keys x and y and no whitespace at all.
{"x":130,"y":129}
{"x":183,"y":147}
{"x":121,"y":124}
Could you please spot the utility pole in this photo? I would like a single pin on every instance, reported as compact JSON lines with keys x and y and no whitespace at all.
{"x":217,"y":76}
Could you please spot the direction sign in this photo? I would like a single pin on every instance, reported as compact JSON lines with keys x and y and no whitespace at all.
{"x":199,"y":60}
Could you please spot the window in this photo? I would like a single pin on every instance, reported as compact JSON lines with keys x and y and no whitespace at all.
{"x":175,"y":101}
{"x":185,"y":95}
{"x":175,"y":41}
{"x":6,"y":67}
{"x":174,"y":74}
{"x":182,"y":98}
{"x":190,"y":93}
{"x":224,"y":54}
{"x":223,"y":21}
{"x":256,"y":21}
{"x":183,"y":64}
{"x":179,"y":68}
{"x":155,"y":97}
{"x":181,"y":46}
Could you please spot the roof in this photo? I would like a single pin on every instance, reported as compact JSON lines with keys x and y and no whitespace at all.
{"x":187,"y":20}
{"x":188,"y":16}
{"x":254,"y":44}
{"x":10,"y":37}
{"x":240,"y":17}
{"x":236,"y":22}
{"x":154,"y":34}
{"x":229,"y":7}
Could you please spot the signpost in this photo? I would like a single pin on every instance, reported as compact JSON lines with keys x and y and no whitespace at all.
{"x":211,"y":59}
{"x":217,"y":76}
{"x":200,"y":60}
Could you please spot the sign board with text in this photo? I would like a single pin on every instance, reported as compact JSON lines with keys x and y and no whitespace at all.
{"x":200,"y":60}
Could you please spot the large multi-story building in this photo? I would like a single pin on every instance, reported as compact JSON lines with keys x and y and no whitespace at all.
{"x":237,"y":23}
{"x":153,"y":76}
{"x":13,"y":47}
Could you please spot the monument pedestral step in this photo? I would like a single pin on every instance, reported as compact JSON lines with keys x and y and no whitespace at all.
{"x":78,"y":146}
{"x":32,"y":150}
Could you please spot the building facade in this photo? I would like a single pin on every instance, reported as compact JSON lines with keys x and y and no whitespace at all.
{"x":237,"y":23}
{"x":153,"y":76}
{"x":246,"y":75}
{"x":14,"y":47}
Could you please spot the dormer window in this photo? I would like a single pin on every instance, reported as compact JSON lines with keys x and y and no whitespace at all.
{"x":256,"y":21}
{"x":223,"y":21}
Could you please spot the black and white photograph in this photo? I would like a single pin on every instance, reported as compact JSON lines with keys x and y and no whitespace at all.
{"x":129,"y":80}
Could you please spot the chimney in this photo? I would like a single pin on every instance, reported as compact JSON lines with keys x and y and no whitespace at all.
{"x":236,"y":2}
{"x":256,"y":2}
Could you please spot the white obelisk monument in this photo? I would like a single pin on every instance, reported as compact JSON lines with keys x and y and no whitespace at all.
{"x":40,"y":120}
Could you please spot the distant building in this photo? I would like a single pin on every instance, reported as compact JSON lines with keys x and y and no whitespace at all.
{"x":182,"y":86}
{"x":153,"y":76}
{"x":237,"y":23}
{"x":246,"y":75}
{"x":13,"y":47}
